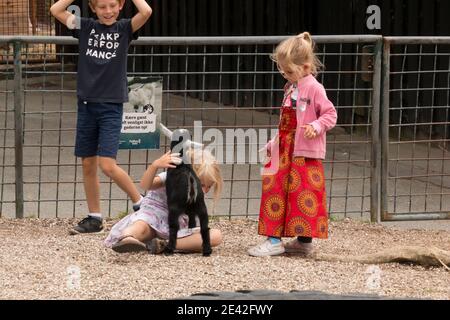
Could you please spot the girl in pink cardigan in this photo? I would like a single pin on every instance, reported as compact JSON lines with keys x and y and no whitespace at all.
{"x":293,"y":202}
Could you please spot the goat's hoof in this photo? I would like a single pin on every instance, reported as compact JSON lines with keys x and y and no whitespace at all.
{"x":207,"y":253}
{"x":168,"y":251}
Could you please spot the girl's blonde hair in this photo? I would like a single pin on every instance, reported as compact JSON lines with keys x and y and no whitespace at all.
{"x":207,"y":168}
{"x":296,"y":51}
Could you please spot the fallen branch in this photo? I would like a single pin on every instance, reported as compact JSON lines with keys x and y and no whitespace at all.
{"x":423,"y":256}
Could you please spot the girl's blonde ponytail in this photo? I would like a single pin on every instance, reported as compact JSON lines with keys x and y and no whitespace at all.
{"x":297,"y":50}
{"x":306,"y":36}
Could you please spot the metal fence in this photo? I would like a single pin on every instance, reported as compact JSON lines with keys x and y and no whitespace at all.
{"x":227,"y":83}
{"x":27,"y":17}
{"x":416,"y":128}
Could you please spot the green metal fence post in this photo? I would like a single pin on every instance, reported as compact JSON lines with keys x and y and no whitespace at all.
{"x":385,"y":131}
{"x":376,"y":150}
{"x":18,"y":125}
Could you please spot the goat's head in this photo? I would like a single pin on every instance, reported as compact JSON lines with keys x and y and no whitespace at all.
{"x":180,"y":140}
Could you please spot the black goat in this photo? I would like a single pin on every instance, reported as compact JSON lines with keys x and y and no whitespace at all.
{"x":185,"y":195}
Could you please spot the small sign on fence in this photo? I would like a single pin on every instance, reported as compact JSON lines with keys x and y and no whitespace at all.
{"x":141,"y":115}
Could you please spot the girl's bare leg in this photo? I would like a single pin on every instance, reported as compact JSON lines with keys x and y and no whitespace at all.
{"x":193,"y":243}
{"x":141,"y":231}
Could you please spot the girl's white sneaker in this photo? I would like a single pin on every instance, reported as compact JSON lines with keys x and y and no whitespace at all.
{"x":266,"y":249}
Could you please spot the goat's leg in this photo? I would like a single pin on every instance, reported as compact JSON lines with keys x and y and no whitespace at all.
{"x":174,"y":226}
{"x":192,"y":222}
{"x":204,"y":229}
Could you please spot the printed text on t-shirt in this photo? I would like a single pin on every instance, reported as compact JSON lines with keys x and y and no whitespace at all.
{"x":103,"y":45}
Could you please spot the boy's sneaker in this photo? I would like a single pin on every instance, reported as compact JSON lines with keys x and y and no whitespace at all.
{"x":267,"y":249}
{"x":157,"y":246}
{"x":295,"y":246}
{"x":87,"y":225}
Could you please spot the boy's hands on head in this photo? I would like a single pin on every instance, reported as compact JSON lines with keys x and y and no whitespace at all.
{"x":59,"y":11}
{"x":309,"y":133}
{"x":144,"y":13}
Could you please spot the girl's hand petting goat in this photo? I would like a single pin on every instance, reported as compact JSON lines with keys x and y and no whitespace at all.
{"x":168,"y":160}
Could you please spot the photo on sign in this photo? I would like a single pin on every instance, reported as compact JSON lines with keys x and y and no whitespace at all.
{"x":141,"y":114}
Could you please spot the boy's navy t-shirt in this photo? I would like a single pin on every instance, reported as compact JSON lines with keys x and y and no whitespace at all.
{"x":102,"y":62}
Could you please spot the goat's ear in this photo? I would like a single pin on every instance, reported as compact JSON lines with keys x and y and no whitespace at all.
{"x":194,"y":144}
{"x":166,"y":131}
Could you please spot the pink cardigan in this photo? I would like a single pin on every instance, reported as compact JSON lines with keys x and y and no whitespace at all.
{"x":319,"y":112}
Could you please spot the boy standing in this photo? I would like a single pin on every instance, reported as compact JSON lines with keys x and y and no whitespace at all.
{"x":101,"y":91}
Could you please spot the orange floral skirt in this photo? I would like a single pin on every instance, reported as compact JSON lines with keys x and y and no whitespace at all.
{"x":293,"y":201}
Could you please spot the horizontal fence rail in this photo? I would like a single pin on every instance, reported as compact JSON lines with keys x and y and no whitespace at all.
{"x":230,"y":83}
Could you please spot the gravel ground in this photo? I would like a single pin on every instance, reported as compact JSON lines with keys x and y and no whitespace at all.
{"x":39,"y":260}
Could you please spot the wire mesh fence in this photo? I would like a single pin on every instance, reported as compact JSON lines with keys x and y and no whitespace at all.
{"x":27,"y":17}
{"x":417,"y":129}
{"x":228,"y":84}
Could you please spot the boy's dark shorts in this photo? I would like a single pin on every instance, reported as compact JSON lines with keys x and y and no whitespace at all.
{"x":98,"y":129}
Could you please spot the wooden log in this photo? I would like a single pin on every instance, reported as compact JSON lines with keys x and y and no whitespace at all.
{"x":424,"y":256}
